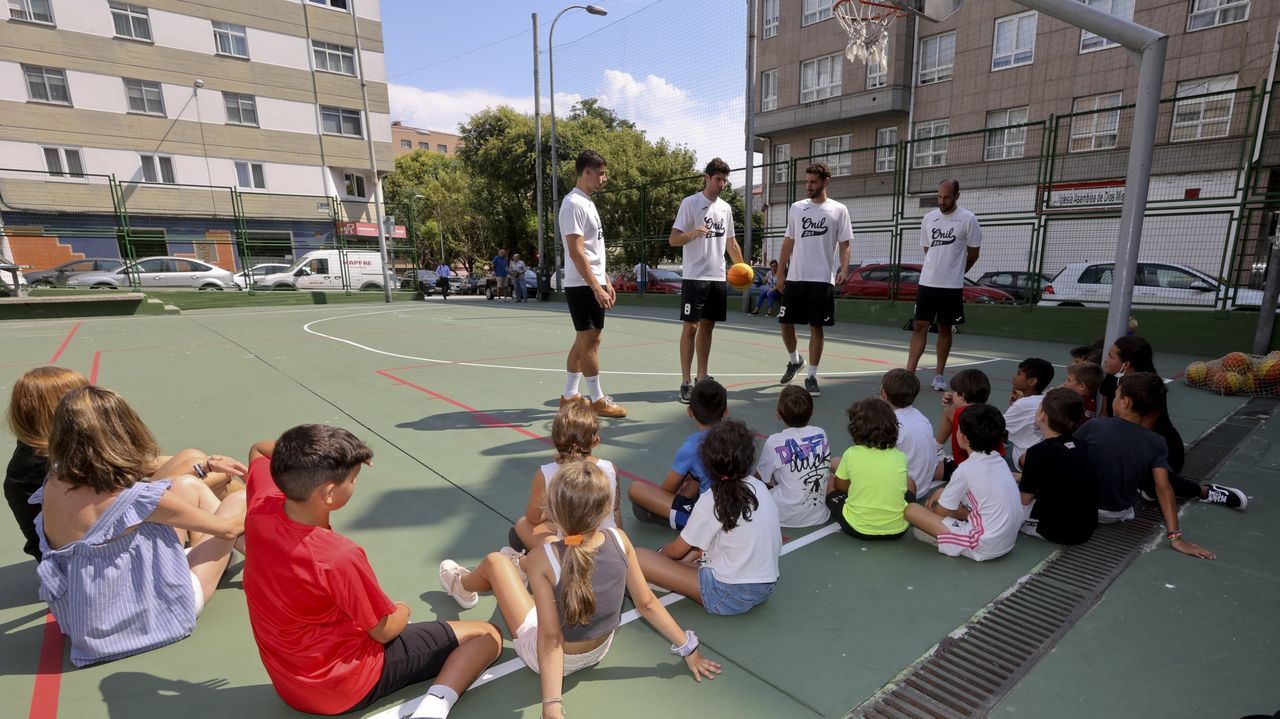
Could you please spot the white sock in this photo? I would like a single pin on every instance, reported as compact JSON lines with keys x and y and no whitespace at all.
{"x":593,"y":388}
{"x":437,"y":703}
{"x":813,"y":370}
{"x":571,"y":384}
{"x":795,"y":357}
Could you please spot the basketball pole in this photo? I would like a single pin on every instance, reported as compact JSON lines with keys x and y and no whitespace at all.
{"x":537,"y":154}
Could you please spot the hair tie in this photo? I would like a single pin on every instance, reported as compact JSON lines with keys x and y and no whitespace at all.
{"x":572,"y":540}
{"x":724,"y":478}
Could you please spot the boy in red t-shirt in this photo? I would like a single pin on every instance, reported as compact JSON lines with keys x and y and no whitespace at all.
{"x":330,"y":639}
{"x":1086,"y":378}
{"x":968,"y":387}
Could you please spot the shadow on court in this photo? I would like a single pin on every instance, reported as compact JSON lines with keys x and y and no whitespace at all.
{"x":135,"y":694}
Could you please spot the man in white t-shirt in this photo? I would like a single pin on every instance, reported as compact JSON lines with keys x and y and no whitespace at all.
{"x":807,"y":279}
{"x":704,"y":228}
{"x":951,"y":238}
{"x":641,"y":271}
{"x":587,"y":289}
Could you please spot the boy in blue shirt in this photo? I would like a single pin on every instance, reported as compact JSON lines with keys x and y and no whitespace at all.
{"x":670,"y":503}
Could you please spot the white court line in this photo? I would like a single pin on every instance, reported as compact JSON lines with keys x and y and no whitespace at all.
{"x":408,"y":707}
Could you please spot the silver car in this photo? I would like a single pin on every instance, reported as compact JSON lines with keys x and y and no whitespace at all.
{"x":58,"y":276}
{"x":153,"y":272}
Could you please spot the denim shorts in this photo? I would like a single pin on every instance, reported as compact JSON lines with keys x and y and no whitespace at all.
{"x":729,"y":599}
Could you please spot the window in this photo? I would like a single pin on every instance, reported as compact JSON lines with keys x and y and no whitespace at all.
{"x":354,"y":184}
{"x":768,"y":90}
{"x":1211,"y":13}
{"x":241,"y":109}
{"x":1096,"y":275}
{"x":1172,"y":278}
{"x":781,"y":163}
{"x":1100,"y":128}
{"x":930,"y":143}
{"x":1203,"y":117}
{"x":340,"y":121}
{"x":442,"y":149}
{"x":131,"y":21}
{"x":157,"y":168}
{"x":335,"y":4}
{"x":815,"y":11}
{"x":1120,"y":8}
{"x":835,"y":152}
{"x":1004,"y":140}
{"x":877,"y":76}
{"x":886,"y":149}
{"x":937,"y":58}
{"x":1015,"y":42}
{"x":406,"y":144}
{"x":188,"y":266}
{"x":35,"y":10}
{"x":334,"y":58}
{"x":770,"y":18}
{"x":820,"y":78}
{"x":424,"y":145}
{"x":250,"y":175}
{"x":62,"y":161}
{"x":45,"y":84}
{"x":144,"y":97}
{"x":230,"y":39}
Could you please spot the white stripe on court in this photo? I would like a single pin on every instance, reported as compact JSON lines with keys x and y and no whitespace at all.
{"x":407,"y":708}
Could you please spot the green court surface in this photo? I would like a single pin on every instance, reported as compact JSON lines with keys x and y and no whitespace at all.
{"x":456,"y":400}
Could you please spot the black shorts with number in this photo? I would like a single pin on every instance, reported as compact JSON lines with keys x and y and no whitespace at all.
{"x":586,"y":312}
{"x":944,"y":305}
{"x":808,"y":303}
{"x":703,"y":300}
{"x":417,"y":655}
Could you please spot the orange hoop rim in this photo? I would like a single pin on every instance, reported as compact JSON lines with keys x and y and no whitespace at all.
{"x":896,"y":11}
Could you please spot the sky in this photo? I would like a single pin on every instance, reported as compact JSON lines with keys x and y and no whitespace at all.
{"x":674,"y":67}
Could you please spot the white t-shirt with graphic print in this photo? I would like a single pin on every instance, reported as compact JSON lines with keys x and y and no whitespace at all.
{"x":797,"y":461}
{"x":947,"y":238}
{"x":578,"y":216}
{"x":815,"y":230}
{"x":704,"y":257}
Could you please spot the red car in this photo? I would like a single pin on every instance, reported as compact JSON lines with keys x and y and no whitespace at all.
{"x":661,"y":282}
{"x":873,"y":282}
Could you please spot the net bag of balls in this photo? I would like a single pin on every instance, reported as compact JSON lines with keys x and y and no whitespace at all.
{"x":1237,"y":373}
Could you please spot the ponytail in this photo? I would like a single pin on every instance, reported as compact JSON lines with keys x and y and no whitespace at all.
{"x":734,"y":500}
{"x":576,"y":503}
{"x":728,"y":452}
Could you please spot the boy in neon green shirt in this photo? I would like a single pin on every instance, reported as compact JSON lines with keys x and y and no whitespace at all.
{"x":870,"y":485}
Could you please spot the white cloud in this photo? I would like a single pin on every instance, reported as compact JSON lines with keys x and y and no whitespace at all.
{"x":445,"y":109}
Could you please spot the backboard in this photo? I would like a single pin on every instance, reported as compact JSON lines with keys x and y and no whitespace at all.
{"x":935,"y":10}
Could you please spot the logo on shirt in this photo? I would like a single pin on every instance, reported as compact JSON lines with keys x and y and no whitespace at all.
{"x":808,"y":458}
{"x":715,"y":228}
{"x":813,"y":228}
{"x":943,"y":238}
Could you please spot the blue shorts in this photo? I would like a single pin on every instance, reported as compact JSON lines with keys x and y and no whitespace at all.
{"x":681,"y":508}
{"x":729,"y":599}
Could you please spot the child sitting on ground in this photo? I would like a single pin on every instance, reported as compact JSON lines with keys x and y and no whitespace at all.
{"x":1088,"y":353}
{"x":566,"y":620}
{"x":900,"y":388}
{"x":1085,"y":378}
{"x":1058,"y":486}
{"x":979,"y":513}
{"x":575,"y":434}
{"x":330,"y":639}
{"x":113,"y":568}
{"x":968,"y":387}
{"x":672,"y":502}
{"x":1033,"y":377}
{"x":871,"y":486}
{"x":734,"y":531}
{"x":796,"y":462}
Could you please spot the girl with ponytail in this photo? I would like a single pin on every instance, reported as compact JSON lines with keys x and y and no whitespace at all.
{"x":566,"y":619}
{"x":736,"y":536}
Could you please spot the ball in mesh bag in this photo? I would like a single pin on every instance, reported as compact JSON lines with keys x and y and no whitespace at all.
{"x":1237,"y":373}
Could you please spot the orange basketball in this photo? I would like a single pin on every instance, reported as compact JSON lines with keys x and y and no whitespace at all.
{"x":740,"y":276}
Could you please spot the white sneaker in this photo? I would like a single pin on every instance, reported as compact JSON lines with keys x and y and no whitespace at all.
{"x":939,"y":383}
{"x":515,"y":556}
{"x":451,"y":574}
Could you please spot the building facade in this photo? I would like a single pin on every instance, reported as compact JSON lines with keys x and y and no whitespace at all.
{"x":406,"y":139}
{"x":193,"y":124}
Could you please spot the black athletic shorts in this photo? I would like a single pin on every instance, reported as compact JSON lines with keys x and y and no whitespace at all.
{"x":808,"y":303}
{"x":703,"y":300}
{"x":415,"y":656}
{"x":586,"y":312}
{"x":944,"y":305}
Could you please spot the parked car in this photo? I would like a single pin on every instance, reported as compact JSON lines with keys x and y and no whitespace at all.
{"x":1024,"y":286}
{"x":57,"y":276}
{"x":874,"y":282}
{"x":1156,"y":285}
{"x":152,"y":272}
{"x":253,"y":274}
{"x":424,"y":281}
{"x":661,"y":282}
{"x":8,"y":269}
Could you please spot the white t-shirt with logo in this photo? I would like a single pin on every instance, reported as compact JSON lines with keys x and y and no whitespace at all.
{"x":746,"y":554}
{"x":578,"y":216}
{"x":815,"y":229}
{"x":984,"y":485}
{"x":704,"y":257}
{"x":916,"y":440}
{"x":798,"y":461}
{"x":947,"y":238}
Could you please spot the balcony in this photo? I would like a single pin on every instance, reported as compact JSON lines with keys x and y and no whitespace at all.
{"x":856,"y":106}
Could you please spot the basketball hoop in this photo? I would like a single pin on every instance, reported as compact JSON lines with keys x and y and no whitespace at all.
{"x":867,"y":24}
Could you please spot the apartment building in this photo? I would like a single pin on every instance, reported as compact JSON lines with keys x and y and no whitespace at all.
{"x":406,"y":139}
{"x":170,"y":104}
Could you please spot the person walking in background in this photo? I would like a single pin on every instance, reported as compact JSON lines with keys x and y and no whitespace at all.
{"x":442,"y":273}
{"x":517,"y":270}
{"x":500,"y":271}
{"x":642,"y":277}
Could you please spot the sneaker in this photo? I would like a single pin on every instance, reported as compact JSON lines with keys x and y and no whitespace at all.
{"x":686,"y":392}
{"x":515,"y":556}
{"x":755,"y":312}
{"x":1229,"y":496}
{"x":811,"y":386}
{"x":645,"y":515}
{"x":606,"y":407}
{"x":451,"y":575}
{"x":792,"y":368}
{"x":576,"y":398}
{"x":939,"y":383}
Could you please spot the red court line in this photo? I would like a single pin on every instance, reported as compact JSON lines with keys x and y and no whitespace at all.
{"x":44,"y":695}
{"x":65,"y":341}
{"x":93,"y":371}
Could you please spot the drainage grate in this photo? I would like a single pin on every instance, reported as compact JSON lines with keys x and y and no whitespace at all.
{"x":971,"y":670}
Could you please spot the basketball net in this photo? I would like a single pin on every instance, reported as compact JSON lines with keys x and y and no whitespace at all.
{"x":868,"y":28}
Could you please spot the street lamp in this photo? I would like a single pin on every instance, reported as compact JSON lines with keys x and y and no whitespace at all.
{"x":551,"y":78}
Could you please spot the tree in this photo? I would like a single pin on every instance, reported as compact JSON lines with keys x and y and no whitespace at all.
{"x":447,"y":205}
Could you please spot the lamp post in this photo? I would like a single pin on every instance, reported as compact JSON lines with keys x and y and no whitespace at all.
{"x":551,"y":79}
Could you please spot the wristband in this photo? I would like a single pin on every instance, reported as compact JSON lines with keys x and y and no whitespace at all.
{"x":555,"y":700}
{"x":200,"y":471}
{"x":689,"y":647}
{"x":1174,"y":536}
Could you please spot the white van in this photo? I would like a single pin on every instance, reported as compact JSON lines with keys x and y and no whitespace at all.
{"x":326,"y":269}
